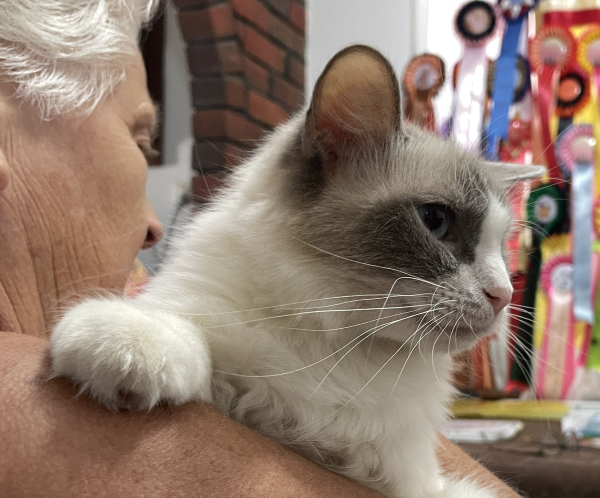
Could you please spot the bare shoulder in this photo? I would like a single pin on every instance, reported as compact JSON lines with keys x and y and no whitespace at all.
{"x":58,"y":444}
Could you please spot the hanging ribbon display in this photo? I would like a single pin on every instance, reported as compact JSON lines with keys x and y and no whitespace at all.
{"x":577,"y":149}
{"x":546,"y":213}
{"x":555,"y":377}
{"x":422,"y":80}
{"x":550,"y":51}
{"x":506,"y":73}
{"x":475,"y":24}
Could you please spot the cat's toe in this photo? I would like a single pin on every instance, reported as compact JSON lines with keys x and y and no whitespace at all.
{"x":131,"y":358}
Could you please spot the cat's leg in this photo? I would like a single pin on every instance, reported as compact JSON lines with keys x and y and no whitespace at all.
{"x":420,"y":474}
{"x":467,"y":488}
{"x":129,"y":355}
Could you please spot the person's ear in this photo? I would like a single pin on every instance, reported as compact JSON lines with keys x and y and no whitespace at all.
{"x":4,"y":171}
{"x":355,"y":107}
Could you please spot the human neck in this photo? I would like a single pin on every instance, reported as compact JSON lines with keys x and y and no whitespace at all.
{"x":40,"y":271}
{"x":21,"y":307}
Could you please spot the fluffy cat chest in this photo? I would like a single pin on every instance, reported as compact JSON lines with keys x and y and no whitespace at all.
{"x":339,"y":405}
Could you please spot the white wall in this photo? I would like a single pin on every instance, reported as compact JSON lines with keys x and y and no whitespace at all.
{"x":166,"y":183}
{"x":391,"y":26}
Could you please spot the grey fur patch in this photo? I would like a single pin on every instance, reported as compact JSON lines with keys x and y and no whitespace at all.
{"x":368,"y":213}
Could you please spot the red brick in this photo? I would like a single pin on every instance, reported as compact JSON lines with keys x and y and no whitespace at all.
{"x":294,"y":70}
{"x":214,"y":22}
{"x":280,"y":6}
{"x":253,"y":11}
{"x":215,"y":91}
{"x":219,"y":57}
{"x":297,"y":16}
{"x":224,"y":123}
{"x":256,"y":75}
{"x":235,"y":93}
{"x":204,"y":187}
{"x":198,"y":4}
{"x":258,"y":46}
{"x":281,"y":31}
{"x":287,"y":94}
{"x":266,"y":111}
{"x":211,"y":156}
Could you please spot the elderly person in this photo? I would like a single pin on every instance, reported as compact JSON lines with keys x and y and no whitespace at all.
{"x":75,"y":122}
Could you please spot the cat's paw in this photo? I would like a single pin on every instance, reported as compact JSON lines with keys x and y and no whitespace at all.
{"x":131,"y":358}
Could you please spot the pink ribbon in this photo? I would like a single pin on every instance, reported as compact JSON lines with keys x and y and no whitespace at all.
{"x":547,"y":84}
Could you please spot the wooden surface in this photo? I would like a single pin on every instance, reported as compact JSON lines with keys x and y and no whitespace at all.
{"x":541,"y":470}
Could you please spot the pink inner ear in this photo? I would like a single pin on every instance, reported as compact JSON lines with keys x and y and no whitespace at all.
{"x":358,"y":98}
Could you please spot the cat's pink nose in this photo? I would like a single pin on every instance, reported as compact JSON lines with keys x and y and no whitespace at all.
{"x":498,"y":296}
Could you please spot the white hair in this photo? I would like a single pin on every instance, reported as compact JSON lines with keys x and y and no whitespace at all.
{"x":67,"y":55}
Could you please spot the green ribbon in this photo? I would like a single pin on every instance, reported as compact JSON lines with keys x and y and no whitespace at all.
{"x":593,"y":359}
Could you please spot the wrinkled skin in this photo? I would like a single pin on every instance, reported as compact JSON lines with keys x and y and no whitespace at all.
{"x":73,"y":208}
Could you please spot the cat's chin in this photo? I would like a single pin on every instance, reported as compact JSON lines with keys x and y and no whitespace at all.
{"x":466,"y":339}
{"x":467,"y":336}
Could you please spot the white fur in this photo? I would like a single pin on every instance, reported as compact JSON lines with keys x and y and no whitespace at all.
{"x":237,"y":288}
{"x":68,"y":55}
{"x":489,"y":262}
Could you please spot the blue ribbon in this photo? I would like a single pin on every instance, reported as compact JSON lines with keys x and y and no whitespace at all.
{"x":583,"y":186}
{"x":504,"y":87}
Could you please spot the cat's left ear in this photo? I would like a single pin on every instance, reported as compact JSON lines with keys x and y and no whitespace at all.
{"x":509,"y":173}
{"x":355,"y":106}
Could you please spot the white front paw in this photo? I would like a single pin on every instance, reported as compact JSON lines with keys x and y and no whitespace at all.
{"x":127,"y":357}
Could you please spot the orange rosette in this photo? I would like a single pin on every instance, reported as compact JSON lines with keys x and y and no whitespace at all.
{"x":423,"y":78}
{"x":573,"y":91}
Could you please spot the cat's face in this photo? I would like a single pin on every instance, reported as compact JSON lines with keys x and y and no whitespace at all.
{"x":391,"y":209}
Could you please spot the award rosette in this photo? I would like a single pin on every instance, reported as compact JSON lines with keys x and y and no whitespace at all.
{"x":475,"y":25}
{"x":546,"y":209}
{"x":514,"y":13}
{"x":522,"y":82}
{"x":588,"y":55}
{"x":557,"y":358}
{"x":551,"y":50}
{"x":423,"y":78}
{"x":576,"y":151}
{"x":572,"y":95}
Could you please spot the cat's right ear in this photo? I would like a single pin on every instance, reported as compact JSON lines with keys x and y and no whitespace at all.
{"x":355,"y":106}
{"x":511,"y":173}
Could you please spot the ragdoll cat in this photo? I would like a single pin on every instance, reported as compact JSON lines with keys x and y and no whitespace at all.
{"x":319,"y":298}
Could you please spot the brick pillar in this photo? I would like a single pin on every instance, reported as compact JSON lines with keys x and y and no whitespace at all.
{"x":246,"y":61}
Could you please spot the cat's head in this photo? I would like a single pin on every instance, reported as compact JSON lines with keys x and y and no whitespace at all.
{"x":389,"y":208}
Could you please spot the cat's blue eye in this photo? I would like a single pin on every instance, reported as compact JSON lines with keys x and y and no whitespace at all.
{"x":436,"y":218}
